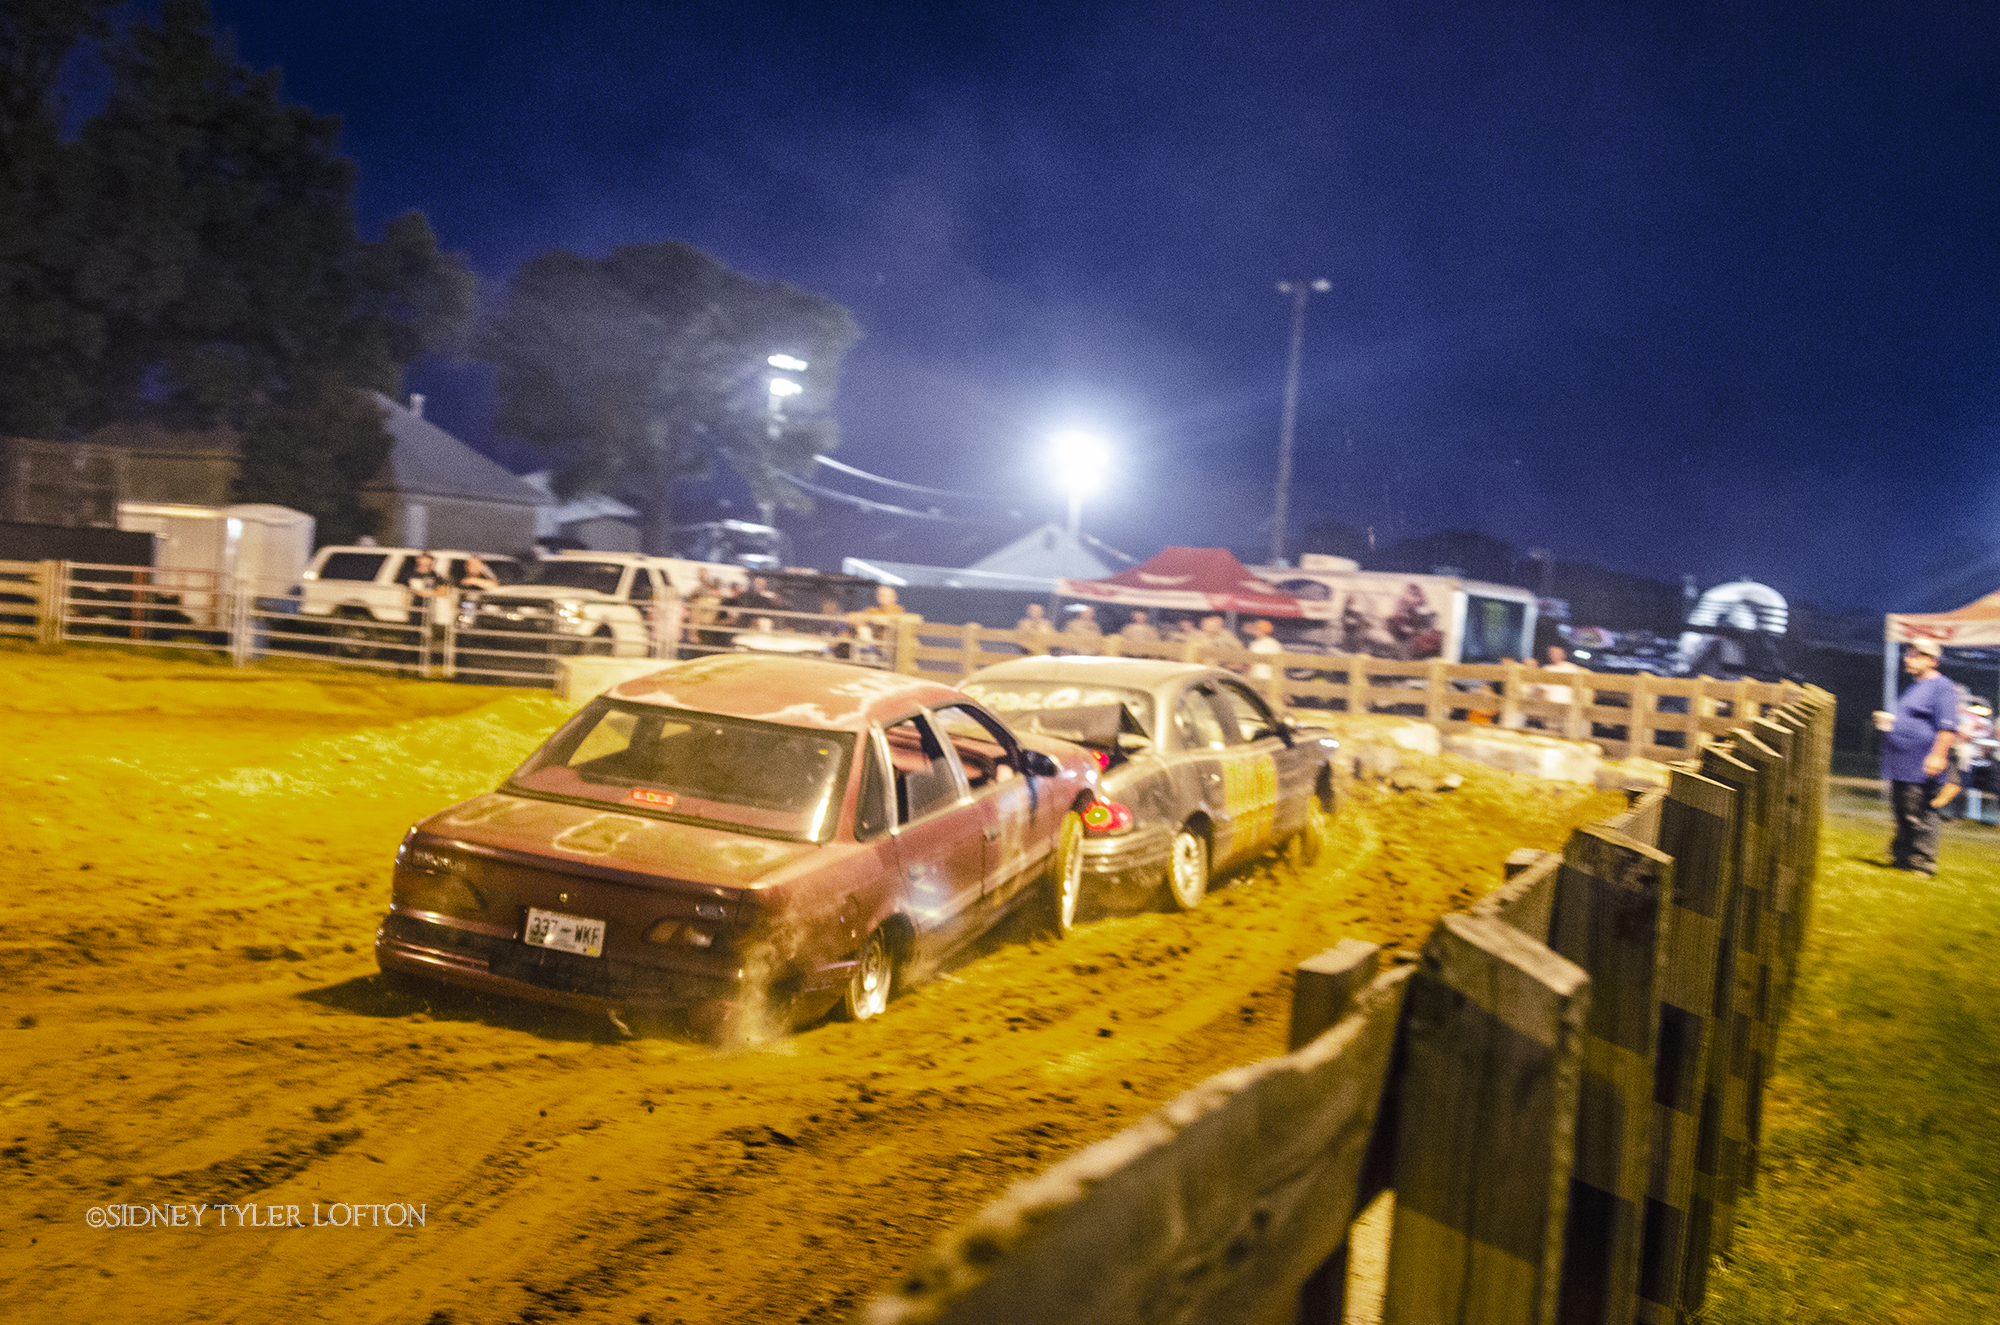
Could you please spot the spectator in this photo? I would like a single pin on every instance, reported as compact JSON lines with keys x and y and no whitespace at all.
{"x":1035,"y":621}
{"x":1138,"y":630}
{"x":1082,"y":635}
{"x":1916,"y":745}
{"x":1264,"y":641}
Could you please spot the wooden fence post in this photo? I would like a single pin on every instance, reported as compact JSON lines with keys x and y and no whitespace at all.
{"x":1492,"y":1051}
{"x":971,"y":661}
{"x":1722,"y":1138}
{"x":906,"y":645}
{"x":1437,"y":709}
{"x":1357,"y":683}
{"x":1215,"y":1209}
{"x":1612,"y":917}
{"x":1510,"y":695}
{"x":1324,"y":986}
{"x":49,"y":603}
{"x":1641,"y":729}
{"x":1696,"y":824}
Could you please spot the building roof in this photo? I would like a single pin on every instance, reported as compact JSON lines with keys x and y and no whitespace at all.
{"x":427,"y":461}
{"x":1047,"y":553}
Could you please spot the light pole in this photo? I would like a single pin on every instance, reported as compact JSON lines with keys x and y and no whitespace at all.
{"x":1299,"y":291}
{"x":781,"y":388}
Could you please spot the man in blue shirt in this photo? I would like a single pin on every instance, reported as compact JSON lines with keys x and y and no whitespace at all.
{"x":1915,"y":746}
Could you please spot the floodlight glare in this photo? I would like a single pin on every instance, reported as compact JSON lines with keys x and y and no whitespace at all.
{"x":1081,"y":460}
{"x":788,"y":363}
{"x":785,"y":386}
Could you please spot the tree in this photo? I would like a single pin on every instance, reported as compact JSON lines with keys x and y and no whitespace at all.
{"x":642,"y":368}
{"x":195,"y":257}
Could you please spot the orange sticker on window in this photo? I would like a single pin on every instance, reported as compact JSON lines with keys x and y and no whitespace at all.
{"x":661,"y":799}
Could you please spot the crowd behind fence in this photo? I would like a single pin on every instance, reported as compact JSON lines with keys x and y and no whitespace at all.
{"x":1637,"y":714}
{"x":1563,"y":1093}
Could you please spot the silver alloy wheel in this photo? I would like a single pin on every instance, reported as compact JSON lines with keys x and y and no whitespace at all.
{"x":1187,"y":869}
{"x":868,"y":986}
{"x":1069,"y":873}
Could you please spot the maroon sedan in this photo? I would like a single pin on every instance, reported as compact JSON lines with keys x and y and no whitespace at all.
{"x":739,"y":835}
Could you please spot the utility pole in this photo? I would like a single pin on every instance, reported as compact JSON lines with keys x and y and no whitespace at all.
{"x":1299,"y":291}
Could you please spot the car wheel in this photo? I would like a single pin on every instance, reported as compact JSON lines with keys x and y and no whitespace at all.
{"x":1063,"y":884}
{"x":1187,"y":869}
{"x":601,"y":644}
{"x":1318,"y":826}
{"x":869,"y":986}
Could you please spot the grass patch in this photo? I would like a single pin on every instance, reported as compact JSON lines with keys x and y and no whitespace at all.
{"x":1879,"y":1198}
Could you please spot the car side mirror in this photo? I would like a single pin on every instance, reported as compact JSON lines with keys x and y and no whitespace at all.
{"x":1038,"y":765}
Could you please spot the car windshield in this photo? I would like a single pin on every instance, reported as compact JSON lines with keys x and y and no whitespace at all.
{"x":760,"y":776}
{"x":1019,"y":695}
{"x":600,"y":577}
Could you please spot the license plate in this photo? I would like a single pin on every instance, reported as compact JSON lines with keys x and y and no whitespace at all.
{"x":552,"y":929}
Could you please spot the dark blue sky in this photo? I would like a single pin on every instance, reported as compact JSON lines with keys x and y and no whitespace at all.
{"x":1681,"y":288}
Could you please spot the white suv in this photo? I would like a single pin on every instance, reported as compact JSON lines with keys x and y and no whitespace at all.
{"x":368,"y":583}
{"x":593,"y":602}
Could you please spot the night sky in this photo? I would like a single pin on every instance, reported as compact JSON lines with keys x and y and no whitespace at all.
{"x":1679,"y":288}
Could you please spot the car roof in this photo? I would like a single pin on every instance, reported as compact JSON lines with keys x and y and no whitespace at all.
{"x":1150,"y":674}
{"x":800,"y":692}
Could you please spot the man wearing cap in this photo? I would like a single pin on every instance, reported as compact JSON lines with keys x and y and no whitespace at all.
{"x":1916,"y":741}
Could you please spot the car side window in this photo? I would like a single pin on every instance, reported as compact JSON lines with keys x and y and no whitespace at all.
{"x":1242,"y":711}
{"x":984,"y":751}
{"x":1197,"y":724}
{"x":642,"y":585}
{"x":923,"y":772}
{"x":871,"y":804}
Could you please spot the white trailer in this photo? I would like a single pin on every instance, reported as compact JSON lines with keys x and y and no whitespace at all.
{"x":1408,"y":618}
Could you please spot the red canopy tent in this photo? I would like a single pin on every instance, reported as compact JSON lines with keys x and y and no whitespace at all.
{"x":1191,"y":579}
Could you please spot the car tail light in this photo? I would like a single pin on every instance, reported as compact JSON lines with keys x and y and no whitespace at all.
{"x":1103,"y":758}
{"x":1107,"y":817}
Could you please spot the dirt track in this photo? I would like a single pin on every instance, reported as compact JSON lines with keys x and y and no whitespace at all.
{"x":196,"y":860}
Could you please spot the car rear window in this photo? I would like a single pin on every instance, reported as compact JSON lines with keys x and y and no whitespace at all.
{"x":599,"y":577}
{"x":362,"y":566}
{"x":733,"y":772}
{"x":1016,"y":695}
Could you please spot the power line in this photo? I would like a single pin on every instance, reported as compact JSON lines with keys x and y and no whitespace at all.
{"x":882,"y":508}
{"x":831,"y":463}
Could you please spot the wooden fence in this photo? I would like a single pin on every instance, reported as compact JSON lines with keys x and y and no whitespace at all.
{"x":28,"y":595}
{"x":1658,"y":718}
{"x":1640,"y":714}
{"x":1563,"y":1093}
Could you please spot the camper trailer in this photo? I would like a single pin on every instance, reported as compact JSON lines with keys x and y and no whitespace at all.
{"x":1404,"y":618}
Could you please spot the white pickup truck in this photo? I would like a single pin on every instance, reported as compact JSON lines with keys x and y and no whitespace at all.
{"x":363,"y":584}
{"x":610,"y":603}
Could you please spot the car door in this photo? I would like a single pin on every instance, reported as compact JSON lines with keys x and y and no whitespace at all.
{"x":1240,"y":784}
{"x":1002,"y":795}
{"x":1196,"y":769}
{"x":1275,"y":779}
{"x":939,"y":847}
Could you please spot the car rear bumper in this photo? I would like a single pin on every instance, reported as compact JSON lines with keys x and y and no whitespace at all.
{"x":407,"y":946}
{"x":1127,"y":868}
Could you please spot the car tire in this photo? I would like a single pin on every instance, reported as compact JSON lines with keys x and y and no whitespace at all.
{"x":1062,"y":884}
{"x":602,"y":644}
{"x":1187,"y":869}
{"x":873,"y":979}
{"x":1312,"y":838}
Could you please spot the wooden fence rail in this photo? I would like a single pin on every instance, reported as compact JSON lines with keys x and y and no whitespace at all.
{"x":1660,"y":718}
{"x":1563,"y":1094}
{"x":1654,"y":717}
